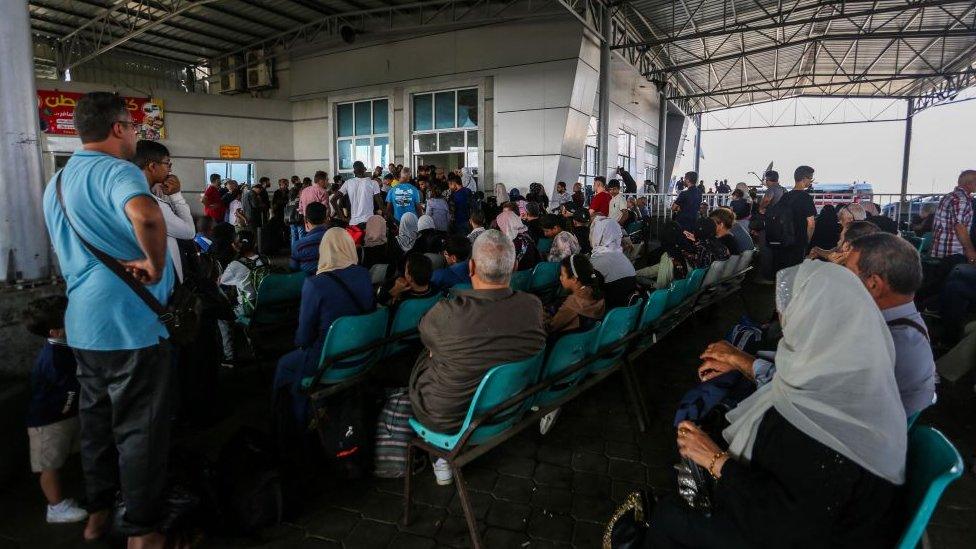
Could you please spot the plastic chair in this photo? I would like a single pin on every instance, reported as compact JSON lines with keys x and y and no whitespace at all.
{"x":521,"y":281}
{"x":925,"y":246}
{"x":745,"y":260}
{"x":566,"y":351}
{"x":615,"y":326}
{"x":499,"y":384}
{"x":544,"y":245}
{"x":676,"y":293}
{"x":407,"y":317}
{"x":277,"y":299}
{"x":731,"y":266}
{"x":545,"y":275}
{"x":656,"y":304}
{"x":460,"y":286}
{"x":933,"y":463}
{"x":348,"y":333}
{"x":695,"y":281}
{"x":714,"y":273}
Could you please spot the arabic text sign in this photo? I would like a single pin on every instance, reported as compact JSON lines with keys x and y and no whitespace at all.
{"x":56,"y":111}
{"x":230,"y":151}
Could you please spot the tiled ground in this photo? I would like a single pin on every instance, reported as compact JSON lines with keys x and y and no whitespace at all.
{"x":535,"y":491}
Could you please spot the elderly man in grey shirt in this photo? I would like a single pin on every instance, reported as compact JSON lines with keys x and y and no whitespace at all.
{"x":891,"y":271}
{"x":466,"y":336}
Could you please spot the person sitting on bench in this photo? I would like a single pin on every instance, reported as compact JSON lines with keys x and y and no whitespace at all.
{"x":466,"y":336}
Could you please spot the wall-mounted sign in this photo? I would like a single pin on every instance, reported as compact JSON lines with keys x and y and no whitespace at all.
{"x":230,"y":151}
{"x":56,"y":112}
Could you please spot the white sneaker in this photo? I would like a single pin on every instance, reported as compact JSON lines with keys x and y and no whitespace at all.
{"x":442,"y":472}
{"x":66,"y":511}
{"x":548,"y":421}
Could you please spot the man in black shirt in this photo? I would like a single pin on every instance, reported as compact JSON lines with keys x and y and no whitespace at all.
{"x":803,"y":214}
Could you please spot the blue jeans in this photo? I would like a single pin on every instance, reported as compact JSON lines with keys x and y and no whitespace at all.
{"x":958,"y":294}
{"x":297,"y":231}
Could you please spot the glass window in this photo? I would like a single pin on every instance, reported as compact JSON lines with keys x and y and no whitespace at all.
{"x":381,"y":151}
{"x":345,"y":154}
{"x":472,"y":139}
{"x":364,"y":124}
{"x":451,"y":141}
{"x":444,"y":110}
{"x":381,"y":115}
{"x":425,"y":142}
{"x":362,"y":151}
{"x":467,"y":108}
{"x":242,"y":172}
{"x":344,"y":120}
{"x":423,"y":112}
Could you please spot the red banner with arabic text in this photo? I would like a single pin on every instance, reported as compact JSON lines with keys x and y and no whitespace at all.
{"x":56,"y":111}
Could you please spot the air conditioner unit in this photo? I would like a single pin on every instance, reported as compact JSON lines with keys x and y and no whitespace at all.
{"x":230,"y":75}
{"x":260,"y":70}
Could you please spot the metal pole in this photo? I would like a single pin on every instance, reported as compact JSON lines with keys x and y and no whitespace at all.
{"x":24,"y":247}
{"x":698,"y":134}
{"x":662,"y":138}
{"x":603,"y":128}
{"x":906,"y":156}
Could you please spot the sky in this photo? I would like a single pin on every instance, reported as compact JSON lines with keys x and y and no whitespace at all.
{"x":943,"y":144}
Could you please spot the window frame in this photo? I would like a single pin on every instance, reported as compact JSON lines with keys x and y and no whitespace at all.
{"x":228,"y":170}
{"x":354,"y":139}
{"x":471,"y":145}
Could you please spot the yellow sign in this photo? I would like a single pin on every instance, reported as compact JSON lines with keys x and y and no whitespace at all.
{"x":230,"y":151}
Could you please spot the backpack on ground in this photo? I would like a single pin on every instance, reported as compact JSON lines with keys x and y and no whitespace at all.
{"x":344,"y":424}
{"x":780,"y":226}
{"x":249,"y":482}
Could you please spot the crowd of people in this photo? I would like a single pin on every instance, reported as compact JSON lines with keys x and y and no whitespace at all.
{"x":824,"y":460}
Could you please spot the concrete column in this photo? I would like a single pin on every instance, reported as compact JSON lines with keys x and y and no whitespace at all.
{"x":603,"y":129}
{"x":662,"y":138}
{"x":697,"y":142}
{"x":906,"y":156}
{"x":24,"y":248}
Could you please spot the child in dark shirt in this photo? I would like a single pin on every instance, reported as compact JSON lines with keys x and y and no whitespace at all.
{"x":52,"y":415}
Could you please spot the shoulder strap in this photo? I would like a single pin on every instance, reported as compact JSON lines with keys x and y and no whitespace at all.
{"x":335,"y":278}
{"x":111,"y":263}
{"x":905,"y":321}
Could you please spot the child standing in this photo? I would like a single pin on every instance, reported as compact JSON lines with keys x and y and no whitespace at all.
{"x":52,"y":416}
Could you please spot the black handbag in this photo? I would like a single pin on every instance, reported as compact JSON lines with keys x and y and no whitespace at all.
{"x":628,"y":526}
{"x":181,"y":316}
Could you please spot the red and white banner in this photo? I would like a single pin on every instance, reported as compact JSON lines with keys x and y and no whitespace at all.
{"x":56,"y":112}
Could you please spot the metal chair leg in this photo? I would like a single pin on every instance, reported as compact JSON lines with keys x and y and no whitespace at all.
{"x":462,"y":489}
{"x":407,"y":481}
{"x":633,"y":396}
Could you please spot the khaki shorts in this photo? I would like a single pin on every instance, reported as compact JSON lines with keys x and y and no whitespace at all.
{"x":51,"y":445}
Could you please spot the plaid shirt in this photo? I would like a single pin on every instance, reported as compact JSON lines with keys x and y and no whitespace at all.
{"x":955,"y":208}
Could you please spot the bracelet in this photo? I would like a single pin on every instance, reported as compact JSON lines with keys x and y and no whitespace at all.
{"x":715,"y":458}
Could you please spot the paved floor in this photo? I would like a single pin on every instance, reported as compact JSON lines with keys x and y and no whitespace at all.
{"x":536,"y":491}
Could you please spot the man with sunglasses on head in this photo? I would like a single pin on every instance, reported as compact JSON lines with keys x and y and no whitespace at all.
{"x":120,"y":344}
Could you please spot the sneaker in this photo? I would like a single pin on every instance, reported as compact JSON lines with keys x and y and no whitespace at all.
{"x":548,"y":421}
{"x":66,"y":511}
{"x":442,"y":472}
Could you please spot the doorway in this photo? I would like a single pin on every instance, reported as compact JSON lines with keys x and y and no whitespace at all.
{"x":448,"y":161}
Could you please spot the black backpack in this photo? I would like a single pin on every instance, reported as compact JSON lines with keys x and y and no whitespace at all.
{"x":780,"y":226}
{"x":250,"y":482}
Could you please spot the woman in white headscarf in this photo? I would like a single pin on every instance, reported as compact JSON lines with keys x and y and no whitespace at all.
{"x":501,"y":194}
{"x":526,"y":254}
{"x":430,"y":239}
{"x":608,"y":257}
{"x":815,"y":456}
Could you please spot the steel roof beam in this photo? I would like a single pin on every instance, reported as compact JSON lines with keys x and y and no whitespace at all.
{"x":933,"y":33}
{"x":779,"y":23}
{"x":63,"y":28}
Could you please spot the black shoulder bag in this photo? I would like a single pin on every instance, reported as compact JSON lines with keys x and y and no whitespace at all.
{"x":181,"y":317}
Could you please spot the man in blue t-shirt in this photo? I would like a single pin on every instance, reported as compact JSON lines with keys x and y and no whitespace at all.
{"x":402,"y":198}
{"x":460,"y":203}
{"x":120,"y":345}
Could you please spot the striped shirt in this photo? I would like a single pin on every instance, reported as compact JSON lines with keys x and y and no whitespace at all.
{"x":955,"y":208}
